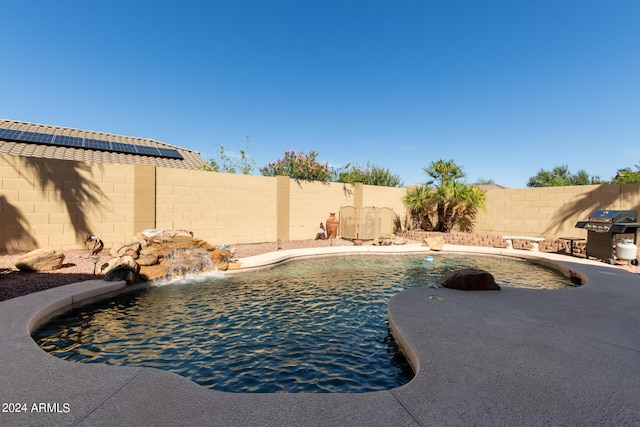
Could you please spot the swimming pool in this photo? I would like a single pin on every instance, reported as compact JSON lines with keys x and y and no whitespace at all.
{"x":313,"y":325}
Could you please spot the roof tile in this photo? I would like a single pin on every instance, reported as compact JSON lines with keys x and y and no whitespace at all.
{"x":191,"y":159}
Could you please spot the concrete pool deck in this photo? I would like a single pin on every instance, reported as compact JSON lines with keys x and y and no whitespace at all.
{"x":513,"y":357}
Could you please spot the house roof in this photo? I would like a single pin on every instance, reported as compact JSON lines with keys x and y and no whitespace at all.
{"x":54,"y":142}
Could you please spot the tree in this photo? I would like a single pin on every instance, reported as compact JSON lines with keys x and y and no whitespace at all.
{"x":299,"y":166}
{"x":442,"y":171}
{"x":229,"y":163}
{"x":420,"y":201}
{"x":627,"y":176}
{"x":560,"y":176}
{"x":368,"y":174}
{"x":483,"y":181}
{"x":446,"y":198}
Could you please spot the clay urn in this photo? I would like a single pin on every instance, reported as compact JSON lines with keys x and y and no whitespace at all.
{"x":332,"y":225}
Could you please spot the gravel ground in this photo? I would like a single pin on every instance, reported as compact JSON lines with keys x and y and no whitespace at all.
{"x":78,"y":267}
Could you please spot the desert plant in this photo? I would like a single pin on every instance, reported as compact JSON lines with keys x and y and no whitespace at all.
{"x":368,"y":174}
{"x":228,"y":162}
{"x":445,"y":198}
{"x":420,"y":201}
{"x":299,"y":166}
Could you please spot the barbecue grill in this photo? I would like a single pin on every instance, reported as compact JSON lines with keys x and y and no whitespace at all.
{"x":605,"y":228}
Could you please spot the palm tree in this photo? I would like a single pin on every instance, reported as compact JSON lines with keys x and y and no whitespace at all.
{"x":454,"y":200}
{"x":462,"y":207}
{"x":419,"y":200}
{"x":442,"y":171}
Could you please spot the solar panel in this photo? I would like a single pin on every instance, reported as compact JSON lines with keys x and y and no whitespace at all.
{"x":68,"y":141}
{"x":144,"y":149}
{"x":88,"y":143}
{"x":96,"y":144}
{"x":43,"y":138}
{"x":170,"y":153}
{"x":123,"y":148}
{"x":10,"y":134}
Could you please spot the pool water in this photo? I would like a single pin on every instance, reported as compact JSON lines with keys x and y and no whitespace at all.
{"x":313,"y":325}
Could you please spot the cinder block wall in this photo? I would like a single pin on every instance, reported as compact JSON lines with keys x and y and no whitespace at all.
{"x":551,"y":212}
{"x":217,"y":207}
{"x":311,"y":203}
{"x":57,"y":203}
{"x":386,"y":197}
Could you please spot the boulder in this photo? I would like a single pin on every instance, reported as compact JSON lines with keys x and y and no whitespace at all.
{"x":399,"y":241}
{"x":435,"y":243}
{"x":220,"y":257}
{"x":153,"y":272}
{"x":40,"y":260}
{"x":122,"y":268}
{"x":150,"y":233}
{"x":148,"y":256}
{"x":132,"y":249}
{"x":470,"y":279}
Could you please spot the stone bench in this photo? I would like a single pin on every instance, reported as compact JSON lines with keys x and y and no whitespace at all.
{"x":534,"y":241}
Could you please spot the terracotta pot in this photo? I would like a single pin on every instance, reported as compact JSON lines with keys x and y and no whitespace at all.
{"x":332,"y":225}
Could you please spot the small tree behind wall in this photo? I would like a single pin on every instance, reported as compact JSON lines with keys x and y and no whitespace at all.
{"x":300,"y":166}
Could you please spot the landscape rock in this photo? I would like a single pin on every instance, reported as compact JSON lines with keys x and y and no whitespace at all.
{"x":150,"y":233}
{"x":399,"y":241}
{"x":220,"y":258}
{"x":161,"y":254}
{"x":132,"y":249}
{"x":470,"y":279}
{"x":148,"y":256}
{"x":40,"y":260}
{"x":435,"y":243}
{"x":122,"y":268}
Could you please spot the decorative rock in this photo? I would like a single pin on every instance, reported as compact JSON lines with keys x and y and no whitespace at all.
{"x":122,"y":268}
{"x":220,"y":257}
{"x":160,"y":254}
{"x":150,"y":233}
{"x":132,"y":249}
{"x":153,"y":272}
{"x":399,"y":241}
{"x":470,"y":279}
{"x":40,"y":260}
{"x":148,"y":256}
{"x":435,"y":243}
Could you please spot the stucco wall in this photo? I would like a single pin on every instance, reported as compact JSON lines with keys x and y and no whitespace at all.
{"x":57,"y":203}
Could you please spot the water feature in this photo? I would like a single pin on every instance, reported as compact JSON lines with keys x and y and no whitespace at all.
{"x":314,"y":325}
{"x":187,"y":262}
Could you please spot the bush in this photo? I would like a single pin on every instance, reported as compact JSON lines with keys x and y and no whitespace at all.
{"x":299,"y":166}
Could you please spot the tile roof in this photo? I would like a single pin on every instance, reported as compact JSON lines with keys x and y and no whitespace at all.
{"x":190,"y":159}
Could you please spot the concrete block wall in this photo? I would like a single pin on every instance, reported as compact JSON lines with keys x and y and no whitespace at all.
{"x":57,"y":203}
{"x":551,"y":212}
{"x":312,"y":202}
{"x":218,"y":207}
{"x":386,"y":197}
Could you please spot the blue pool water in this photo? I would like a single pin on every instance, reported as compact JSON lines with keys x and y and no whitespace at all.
{"x":313,"y":325}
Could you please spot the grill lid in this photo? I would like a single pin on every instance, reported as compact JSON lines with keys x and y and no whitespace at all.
{"x":611,"y":221}
{"x":612,"y":217}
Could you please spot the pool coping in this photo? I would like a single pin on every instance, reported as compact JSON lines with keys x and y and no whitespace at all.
{"x":516,"y":356}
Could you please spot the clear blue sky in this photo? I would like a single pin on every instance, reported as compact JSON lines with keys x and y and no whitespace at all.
{"x":503,"y":88}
